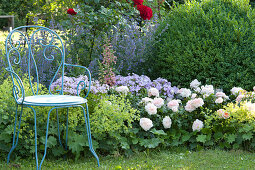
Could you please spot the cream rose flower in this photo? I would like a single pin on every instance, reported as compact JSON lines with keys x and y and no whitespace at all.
{"x":146,"y":124}
{"x":207,"y":90}
{"x":153,"y":92}
{"x":151,"y":109}
{"x":219,"y":100}
{"x":240,"y":97}
{"x":193,"y":95}
{"x":146,"y":100}
{"x":197,"y":125}
{"x":193,"y":104}
{"x":167,"y":122}
{"x":221,"y":94}
{"x":184,"y":92}
{"x":158,"y":102}
{"x":236,"y":90}
{"x":195,"y":84}
{"x":122,"y":89}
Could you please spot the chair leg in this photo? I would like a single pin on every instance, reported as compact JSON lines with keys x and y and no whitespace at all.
{"x":66,"y":128}
{"x":36,"y":156}
{"x":89,"y":133}
{"x":58,"y":129}
{"x":15,"y":141}
{"x":46,"y":138}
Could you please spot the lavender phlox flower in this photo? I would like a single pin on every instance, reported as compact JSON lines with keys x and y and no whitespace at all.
{"x":70,"y":84}
{"x":135,"y":83}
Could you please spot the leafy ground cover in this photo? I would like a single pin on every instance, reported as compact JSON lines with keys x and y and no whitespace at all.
{"x":157,"y":159}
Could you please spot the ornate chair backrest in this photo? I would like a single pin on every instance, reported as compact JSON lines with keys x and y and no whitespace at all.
{"x":37,"y":52}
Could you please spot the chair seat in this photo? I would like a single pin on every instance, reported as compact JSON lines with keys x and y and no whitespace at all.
{"x":53,"y":100}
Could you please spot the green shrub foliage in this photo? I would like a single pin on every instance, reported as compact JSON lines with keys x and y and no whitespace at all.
{"x":212,"y":41}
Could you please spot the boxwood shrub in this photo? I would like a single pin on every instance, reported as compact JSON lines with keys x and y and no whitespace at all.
{"x":212,"y":41}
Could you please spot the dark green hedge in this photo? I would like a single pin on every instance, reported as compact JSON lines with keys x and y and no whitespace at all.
{"x":212,"y":41}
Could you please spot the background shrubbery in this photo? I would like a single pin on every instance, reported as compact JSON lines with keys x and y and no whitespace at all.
{"x":212,"y":41}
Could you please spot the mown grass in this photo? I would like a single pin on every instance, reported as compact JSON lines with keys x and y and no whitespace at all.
{"x":164,"y":159}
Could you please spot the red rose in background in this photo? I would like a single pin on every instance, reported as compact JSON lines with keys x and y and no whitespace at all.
{"x":138,"y":2}
{"x":145,"y":12}
{"x":71,"y":11}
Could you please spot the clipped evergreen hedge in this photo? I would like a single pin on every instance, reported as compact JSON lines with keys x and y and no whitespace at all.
{"x":212,"y":41}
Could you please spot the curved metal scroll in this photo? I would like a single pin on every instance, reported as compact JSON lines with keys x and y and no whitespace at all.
{"x":17,"y":88}
{"x":89,"y":77}
{"x":45,"y":43}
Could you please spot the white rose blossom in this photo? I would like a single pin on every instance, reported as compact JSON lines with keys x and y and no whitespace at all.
{"x":250,"y":106}
{"x":240,"y":97}
{"x":197,"y":125}
{"x":122,"y":89}
{"x":184,"y":92}
{"x":151,"y":109}
{"x":193,"y":104}
{"x":174,"y":105}
{"x":235,"y":90}
{"x":153,"y":92}
{"x":221,"y":94}
{"x":207,"y":90}
{"x":195,"y":84}
{"x":146,"y":124}
{"x":194,"y":95}
{"x":158,"y":102}
{"x":219,"y":100}
{"x":167,"y":122}
{"x":146,"y":100}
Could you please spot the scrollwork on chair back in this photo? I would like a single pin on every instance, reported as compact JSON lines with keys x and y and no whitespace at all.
{"x":36,"y":51}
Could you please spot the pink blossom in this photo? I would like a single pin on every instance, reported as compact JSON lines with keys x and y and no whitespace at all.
{"x":146,"y":124}
{"x":151,"y":109}
{"x":173,"y":104}
{"x":158,"y":102}
{"x":153,"y":92}
{"x":239,"y":97}
{"x":193,"y":104}
{"x":221,"y":94}
{"x":219,"y":100}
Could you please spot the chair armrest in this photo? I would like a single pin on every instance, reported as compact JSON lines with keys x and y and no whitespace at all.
{"x":17,"y":88}
{"x":89,"y":77}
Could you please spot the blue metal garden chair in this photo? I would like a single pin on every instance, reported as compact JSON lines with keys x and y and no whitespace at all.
{"x":24,"y":52}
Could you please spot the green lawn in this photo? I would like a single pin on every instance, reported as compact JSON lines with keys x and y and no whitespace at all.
{"x":164,"y":159}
